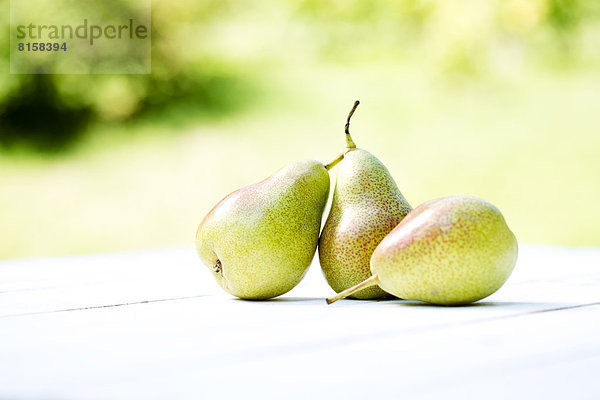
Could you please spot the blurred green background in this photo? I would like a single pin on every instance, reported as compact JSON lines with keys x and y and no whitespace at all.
{"x":498,"y":99}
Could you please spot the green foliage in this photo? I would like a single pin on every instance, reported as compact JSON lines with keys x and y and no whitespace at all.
{"x":202,"y":50}
{"x":458,"y":36}
{"x":50,"y":112}
{"x":36,"y":116}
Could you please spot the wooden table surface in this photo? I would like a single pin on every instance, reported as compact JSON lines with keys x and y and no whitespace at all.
{"x":154,"y":325}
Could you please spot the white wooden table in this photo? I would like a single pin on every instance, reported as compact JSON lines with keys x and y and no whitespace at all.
{"x":154,"y":325}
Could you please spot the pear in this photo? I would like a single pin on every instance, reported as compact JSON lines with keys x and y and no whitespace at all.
{"x":448,"y":251}
{"x":366,"y":206}
{"x":260,"y":240}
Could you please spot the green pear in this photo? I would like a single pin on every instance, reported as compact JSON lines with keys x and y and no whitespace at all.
{"x":448,"y":251}
{"x":260,"y":240}
{"x":366,"y":206}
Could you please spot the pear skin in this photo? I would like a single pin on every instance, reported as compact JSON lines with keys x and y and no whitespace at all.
{"x":366,"y":206}
{"x":448,"y":251}
{"x":260,"y":240}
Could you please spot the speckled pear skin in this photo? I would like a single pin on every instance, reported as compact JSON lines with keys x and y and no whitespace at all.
{"x":366,"y":206}
{"x":260,"y":240}
{"x":448,"y":251}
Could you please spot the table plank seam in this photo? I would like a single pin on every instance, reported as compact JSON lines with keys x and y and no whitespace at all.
{"x":101,"y":306}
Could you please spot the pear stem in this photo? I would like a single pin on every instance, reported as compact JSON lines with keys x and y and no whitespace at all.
{"x":349,"y":142}
{"x":334,"y":162}
{"x":372,"y":281}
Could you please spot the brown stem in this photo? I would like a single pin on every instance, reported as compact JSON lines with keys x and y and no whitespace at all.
{"x":349,"y":142}
{"x":372,"y":281}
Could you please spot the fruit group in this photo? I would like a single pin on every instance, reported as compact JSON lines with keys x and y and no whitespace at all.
{"x":448,"y":251}
{"x":260,"y":240}
{"x":366,"y":206}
